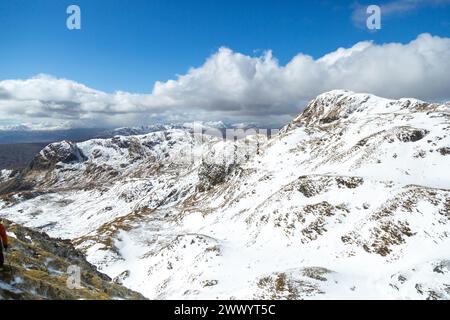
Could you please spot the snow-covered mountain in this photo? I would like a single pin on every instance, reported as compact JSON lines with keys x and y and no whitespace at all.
{"x":198,"y":125}
{"x":349,"y":200}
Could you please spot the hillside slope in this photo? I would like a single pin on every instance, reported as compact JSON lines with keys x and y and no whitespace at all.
{"x":38,"y":267}
{"x":349,"y":200}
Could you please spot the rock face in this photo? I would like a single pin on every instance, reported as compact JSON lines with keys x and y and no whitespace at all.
{"x":64,"y":152}
{"x":211,"y":174}
{"x":349,"y":200}
{"x":217,"y":164}
{"x":38,"y":267}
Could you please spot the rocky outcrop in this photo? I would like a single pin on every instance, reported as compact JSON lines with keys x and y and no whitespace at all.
{"x":212,"y":174}
{"x":217,"y":164}
{"x":39,"y":267}
{"x":59,"y":152}
{"x":408,"y":134}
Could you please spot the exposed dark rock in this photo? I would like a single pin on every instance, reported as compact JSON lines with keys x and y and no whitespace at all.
{"x":408,"y":134}
{"x":328,"y":119}
{"x":444,"y":151}
{"x":210,"y":283}
{"x":64,"y":152}
{"x":442,"y":267}
{"x":291,"y":286}
{"x":17,"y":184}
{"x":38,"y":267}
{"x":349,"y":182}
{"x":121,"y":277}
{"x":211,"y":174}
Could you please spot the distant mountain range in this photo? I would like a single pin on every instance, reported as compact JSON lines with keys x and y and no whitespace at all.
{"x":19,"y":143}
{"x":13,"y":134}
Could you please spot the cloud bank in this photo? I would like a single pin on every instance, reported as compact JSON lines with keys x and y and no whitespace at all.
{"x":234,"y":87}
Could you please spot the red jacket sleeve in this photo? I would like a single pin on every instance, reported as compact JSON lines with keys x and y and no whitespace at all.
{"x":3,"y":235}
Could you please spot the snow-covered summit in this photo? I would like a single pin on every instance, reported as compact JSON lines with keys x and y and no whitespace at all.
{"x":342,"y":104}
{"x":54,"y":153}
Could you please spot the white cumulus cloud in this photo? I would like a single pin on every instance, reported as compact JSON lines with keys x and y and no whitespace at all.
{"x":235,"y":87}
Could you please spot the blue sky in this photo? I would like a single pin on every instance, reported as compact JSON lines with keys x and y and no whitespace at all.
{"x":128,"y":45}
{"x":139,"y":62}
